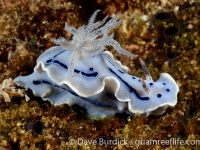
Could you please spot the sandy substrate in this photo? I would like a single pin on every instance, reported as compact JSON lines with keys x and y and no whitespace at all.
{"x":27,"y":28}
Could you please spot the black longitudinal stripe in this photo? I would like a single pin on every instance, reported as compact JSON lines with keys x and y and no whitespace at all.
{"x":86,"y":74}
{"x":111,"y":63}
{"x":47,"y":82}
{"x":58,"y":54}
{"x":63,"y":65}
{"x":48,"y":61}
{"x":120,"y":71}
{"x":66,"y":67}
{"x":77,"y":71}
{"x":131,"y":88}
{"x":37,"y":82}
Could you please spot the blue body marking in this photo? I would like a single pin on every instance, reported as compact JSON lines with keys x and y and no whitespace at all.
{"x":37,"y":82}
{"x":131,"y":89}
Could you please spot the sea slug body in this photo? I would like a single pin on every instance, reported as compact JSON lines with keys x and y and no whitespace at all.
{"x":81,"y":72}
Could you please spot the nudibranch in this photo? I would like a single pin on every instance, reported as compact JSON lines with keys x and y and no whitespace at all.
{"x":81,"y":72}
